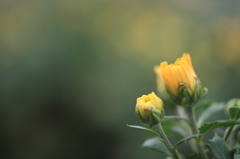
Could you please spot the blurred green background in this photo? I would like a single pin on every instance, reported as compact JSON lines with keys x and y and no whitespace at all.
{"x":71,"y":70}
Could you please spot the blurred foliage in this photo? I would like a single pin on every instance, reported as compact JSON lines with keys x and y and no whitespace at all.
{"x":71,"y":70}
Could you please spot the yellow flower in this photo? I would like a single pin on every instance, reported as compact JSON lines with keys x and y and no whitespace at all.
{"x":178,"y":74}
{"x":180,"y":80}
{"x":149,"y":109}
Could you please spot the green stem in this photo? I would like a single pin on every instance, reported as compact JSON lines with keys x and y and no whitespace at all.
{"x":182,"y":113}
{"x":227,"y":133}
{"x":166,"y":141}
{"x":193,"y":125}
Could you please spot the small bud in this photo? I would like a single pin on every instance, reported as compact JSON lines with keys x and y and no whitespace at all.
{"x":181,"y":82}
{"x":233,"y":102}
{"x":149,"y":109}
{"x":233,"y":107}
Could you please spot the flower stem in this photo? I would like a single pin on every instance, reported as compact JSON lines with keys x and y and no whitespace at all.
{"x":193,"y":126}
{"x":166,"y":141}
{"x":227,"y":133}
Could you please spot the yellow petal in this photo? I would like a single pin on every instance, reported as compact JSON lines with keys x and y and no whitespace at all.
{"x":178,"y":74}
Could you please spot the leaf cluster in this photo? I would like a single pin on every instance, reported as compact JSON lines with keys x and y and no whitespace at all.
{"x":223,"y":146}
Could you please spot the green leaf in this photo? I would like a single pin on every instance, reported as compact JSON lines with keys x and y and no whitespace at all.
{"x":234,"y":112}
{"x":174,"y":118}
{"x":211,"y":110}
{"x":202,"y":106}
{"x":236,"y":156}
{"x":236,"y":150}
{"x":184,"y":140}
{"x":217,"y":124}
{"x":176,"y":128}
{"x":142,"y":128}
{"x":180,"y":131}
{"x":219,"y":148}
{"x":156,"y":145}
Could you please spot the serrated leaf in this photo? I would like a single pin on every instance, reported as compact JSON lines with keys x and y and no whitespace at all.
{"x":217,"y":124}
{"x":212,"y":109}
{"x":142,"y":128}
{"x":156,"y":145}
{"x":219,"y":148}
{"x":185,"y":140}
{"x":234,"y":112}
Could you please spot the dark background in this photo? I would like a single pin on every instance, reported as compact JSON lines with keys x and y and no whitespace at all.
{"x":71,"y":70}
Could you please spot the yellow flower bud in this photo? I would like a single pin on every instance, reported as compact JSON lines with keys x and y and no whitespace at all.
{"x":181,"y":81}
{"x":149,"y":109}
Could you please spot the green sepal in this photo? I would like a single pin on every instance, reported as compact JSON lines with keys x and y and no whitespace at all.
{"x":155,"y":119}
{"x":187,"y":94}
{"x":200,"y":89}
{"x":180,"y":92}
{"x":198,"y":93}
{"x":142,"y":118}
{"x":184,"y":102}
{"x":158,"y":113}
{"x":187,"y":98}
{"x":194,"y":96}
{"x":204,"y":93}
{"x":184,"y":96}
{"x":152,"y":117}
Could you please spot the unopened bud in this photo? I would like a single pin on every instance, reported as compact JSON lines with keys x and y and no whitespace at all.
{"x":149,"y":109}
